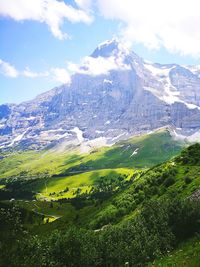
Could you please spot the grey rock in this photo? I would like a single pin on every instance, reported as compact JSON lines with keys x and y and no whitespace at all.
{"x":125,"y":101}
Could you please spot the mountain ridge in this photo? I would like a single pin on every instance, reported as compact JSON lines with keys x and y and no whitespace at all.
{"x":115,"y":94}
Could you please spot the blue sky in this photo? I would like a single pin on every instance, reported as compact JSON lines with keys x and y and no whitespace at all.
{"x":34,"y":53}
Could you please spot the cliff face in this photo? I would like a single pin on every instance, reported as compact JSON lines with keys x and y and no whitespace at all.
{"x":115,"y":94}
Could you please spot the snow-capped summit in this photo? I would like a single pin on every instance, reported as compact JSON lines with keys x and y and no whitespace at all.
{"x":107,"y":48}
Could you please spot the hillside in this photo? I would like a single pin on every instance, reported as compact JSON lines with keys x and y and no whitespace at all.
{"x":155,"y":197}
{"x":150,"y":211}
{"x":187,"y":254}
{"x":178,"y":178}
{"x":52,"y":174}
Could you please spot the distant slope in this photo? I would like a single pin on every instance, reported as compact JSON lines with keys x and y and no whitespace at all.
{"x":55,"y":188}
{"x":138,"y":152}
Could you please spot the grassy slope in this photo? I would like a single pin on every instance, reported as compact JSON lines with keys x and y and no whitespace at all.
{"x":59,"y":171}
{"x":150,"y":185}
{"x":35,"y":163}
{"x":187,"y":255}
{"x":152,"y":149}
{"x":83,"y":181}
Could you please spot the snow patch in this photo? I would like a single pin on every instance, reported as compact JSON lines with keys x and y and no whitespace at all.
{"x":78,"y":133}
{"x":53,"y":130}
{"x":89,"y":145}
{"x":108,"y":81}
{"x":117,"y":137}
{"x":134,"y":152}
{"x":106,"y":43}
{"x":158,"y":71}
{"x":18,"y":138}
{"x":31,"y":118}
{"x":178,"y":136}
{"x":170,"y":95}
{"x":195,"y":69}
{"x":99,"y":132}
{"x":194,"y":137}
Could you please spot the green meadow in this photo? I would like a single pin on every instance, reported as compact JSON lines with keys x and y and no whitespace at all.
{"x":66,"y":187}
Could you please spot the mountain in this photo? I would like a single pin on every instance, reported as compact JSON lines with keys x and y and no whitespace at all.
{"x":115,"y":94}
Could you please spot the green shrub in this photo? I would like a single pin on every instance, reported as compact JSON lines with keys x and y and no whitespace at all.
{"x":169,"y":181}
{"x":187,"y":180}
{"x":157,"y":229}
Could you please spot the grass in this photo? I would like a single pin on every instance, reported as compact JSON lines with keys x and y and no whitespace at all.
{"x":187,"y":255}
{"x":151,"y":184}
{"x":83,"y":171}
{"x":35,"y":163}
{"x":152,"y":149}
{"x":54,"y":188}
{"x":48,"y":209}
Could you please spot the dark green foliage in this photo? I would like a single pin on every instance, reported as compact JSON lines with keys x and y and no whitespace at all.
{"x":154,"y":182}
{"x":169,"y":181}
{"x":190,"y":156}
{"x":184,"y":218}
{"x":187,"y":180}
{"x":155,"y":230}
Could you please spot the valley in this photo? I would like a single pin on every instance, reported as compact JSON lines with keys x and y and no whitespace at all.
{"x":53,"y":175}
{"x":101,"y":194}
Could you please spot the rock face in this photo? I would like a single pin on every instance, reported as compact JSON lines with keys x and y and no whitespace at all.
{"x":114,"y":94}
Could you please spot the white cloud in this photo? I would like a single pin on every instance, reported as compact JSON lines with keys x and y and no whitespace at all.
{"x":31,"y":74}
{"x":51,"y":12}
{"x":173,"y":24}
{"x":97,"y":66}
{"x":84,"y":4}
{"x":61,"y":75}
{"x":8,"y":70}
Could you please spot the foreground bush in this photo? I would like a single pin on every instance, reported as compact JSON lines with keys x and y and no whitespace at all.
{"x":158,"y":228}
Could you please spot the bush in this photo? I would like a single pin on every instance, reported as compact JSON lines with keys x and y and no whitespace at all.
{"x":187,"y":180}
{"x":158,"y":228}
{"x":190,"y":155}
{"x":169,"y":181}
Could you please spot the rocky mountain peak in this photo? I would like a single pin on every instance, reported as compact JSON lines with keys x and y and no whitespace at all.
{"x":116,"y":94}
{"x":109,"y":48}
